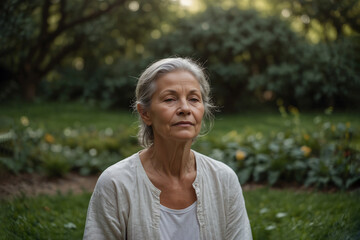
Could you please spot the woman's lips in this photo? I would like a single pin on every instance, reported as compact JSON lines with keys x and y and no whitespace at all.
{"x":183,"y":124}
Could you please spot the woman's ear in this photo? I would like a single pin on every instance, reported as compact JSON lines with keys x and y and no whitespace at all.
{"x":145,"y":115}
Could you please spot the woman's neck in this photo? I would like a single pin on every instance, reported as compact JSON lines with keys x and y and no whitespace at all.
{"x":173,"y":159}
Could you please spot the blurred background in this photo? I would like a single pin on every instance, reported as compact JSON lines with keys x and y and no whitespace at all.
{"x":256,"y":51}
{"x":284,"y":73}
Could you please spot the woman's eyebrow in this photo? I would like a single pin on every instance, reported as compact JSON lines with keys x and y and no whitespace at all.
{"x":170,"y":91}
{"x":195,"y":91}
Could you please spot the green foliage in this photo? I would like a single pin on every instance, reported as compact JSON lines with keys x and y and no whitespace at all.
{"x":255,"y":56}
{"x":39,"y":36}
{"x":94,"y":50}
{"x":17,"y":147}
{"x":308,"y":150}
{"x":322,"y":158}
{"x":320,"y":75}
{"x":109,"y":86}
{"x":234,"y":54}
{"x":337,"y":18}
{"x":86,"y":150}
{"x":54,"y":164}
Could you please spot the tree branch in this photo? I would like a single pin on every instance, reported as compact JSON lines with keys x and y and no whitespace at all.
{"x":38,"y":51}
{"x":44,"y":19}
{"x":62,"y":12}
{"x":60,"y":56}
{"x":85,"y":3}
{"x":46,"y":42}
{"x":43,"y":31}
{"x":79,"y":21}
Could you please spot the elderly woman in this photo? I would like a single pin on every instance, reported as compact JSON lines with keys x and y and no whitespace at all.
{"x":167,"y":190}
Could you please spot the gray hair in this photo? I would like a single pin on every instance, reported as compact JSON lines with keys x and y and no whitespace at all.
{"x":146,"y":87}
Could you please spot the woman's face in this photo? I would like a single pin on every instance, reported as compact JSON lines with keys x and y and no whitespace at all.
{"x":176,"y":108}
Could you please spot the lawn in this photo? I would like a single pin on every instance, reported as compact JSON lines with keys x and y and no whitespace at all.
{"x":55,"y":116}
{"x":274,"y":214}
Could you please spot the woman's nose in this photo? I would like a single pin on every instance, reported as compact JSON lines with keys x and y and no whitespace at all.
{"x":184,"y":107}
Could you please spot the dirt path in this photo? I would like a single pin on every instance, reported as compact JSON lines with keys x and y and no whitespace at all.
{"x":35,"y":184}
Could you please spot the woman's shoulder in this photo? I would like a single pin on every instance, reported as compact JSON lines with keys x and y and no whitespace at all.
{"x":123,"y":171}
{"x":217,"y":174}
{"x":213,"y":165}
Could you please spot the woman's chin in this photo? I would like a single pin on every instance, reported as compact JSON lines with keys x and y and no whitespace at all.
{"x":183,"y":137}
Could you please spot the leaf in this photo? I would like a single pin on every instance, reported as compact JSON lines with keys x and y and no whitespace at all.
{"x":273,"y":176}
{"x":351,"y":181}
{"x":310,"y":180}
{"x":338,"y":181}
{"x":244,"y":175}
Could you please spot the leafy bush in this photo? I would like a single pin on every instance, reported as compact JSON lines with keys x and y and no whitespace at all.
{"x":17,"y":147}
{"x":325,"y":157}
{"x":318,"y":75}
{"x":255,"y":56}
{"x":86,"y":150}
{"x":254,"y":59}
{"x":322,"y":158}
{"x":108,"y":86}
{"x":233,"y":54}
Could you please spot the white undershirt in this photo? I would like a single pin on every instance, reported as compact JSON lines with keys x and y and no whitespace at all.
{"x":179,"y":224}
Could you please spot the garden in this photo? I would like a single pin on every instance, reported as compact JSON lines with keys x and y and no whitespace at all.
{"x":291,"y":185}
{"x":284,"y":75}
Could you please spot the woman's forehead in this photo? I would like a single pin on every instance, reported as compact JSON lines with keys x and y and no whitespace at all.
{"x":177,"y":79}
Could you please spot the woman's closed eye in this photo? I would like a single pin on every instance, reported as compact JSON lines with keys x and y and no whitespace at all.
{"x":194,"y":99}
{"x":169,"y":99}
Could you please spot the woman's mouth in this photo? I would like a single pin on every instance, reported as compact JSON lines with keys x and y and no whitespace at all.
{"x":183,"y":124}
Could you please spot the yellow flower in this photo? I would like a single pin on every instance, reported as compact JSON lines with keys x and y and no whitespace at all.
{"x":347,"y":136}
{"x":24,"y":121}
{"x":348,"y":124}
{"x":306,"y":137}
{"x":240,"y":155}
{"x":279,"y":102}
{"x":294,"y":110}
{"x":333,"y":128}
{"x":49,"y":138}
{"x":329,"y":110}
{"x":306,"y":150}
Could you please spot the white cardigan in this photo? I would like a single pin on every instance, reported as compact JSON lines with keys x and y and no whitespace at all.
{"x":126,"y":205}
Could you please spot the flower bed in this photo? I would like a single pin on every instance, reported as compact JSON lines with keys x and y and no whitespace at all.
{"x":325,"y":157}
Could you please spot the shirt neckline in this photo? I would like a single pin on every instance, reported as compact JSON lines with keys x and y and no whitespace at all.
{"x":178,"y":211}
{"x":152,"y":186}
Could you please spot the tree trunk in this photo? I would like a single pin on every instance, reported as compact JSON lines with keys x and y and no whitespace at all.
{"x":28,"y":85}
{"x":29,"y":93}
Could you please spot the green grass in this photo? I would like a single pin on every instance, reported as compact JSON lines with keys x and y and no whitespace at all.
{"x":56,"y":116}
{"x":274,"y":214}
{"x":271,"y":121}
{"x":289,"y":214}
{"x":44,"y":217}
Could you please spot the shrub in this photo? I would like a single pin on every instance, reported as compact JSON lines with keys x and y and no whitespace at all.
{"x":317,"y":76}
{"x":86,"y":150}
{"x":249,"y":56}
{"x":322,"y":158}
{"x":108,"y":86}
{"x":246,"y":47}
